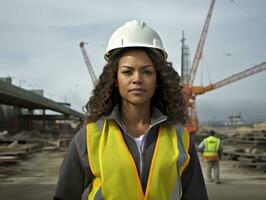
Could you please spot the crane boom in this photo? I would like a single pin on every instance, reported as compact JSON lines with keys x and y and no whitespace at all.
{"x":197,"y":90}
{"x":199,"y":50}
{"x":88,"y":64}
{"x":241,"y":75}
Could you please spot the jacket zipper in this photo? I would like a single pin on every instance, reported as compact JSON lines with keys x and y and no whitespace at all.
{"x":141,"y":150}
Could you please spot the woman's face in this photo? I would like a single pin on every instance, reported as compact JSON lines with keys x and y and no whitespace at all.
{"x":136,"y":77}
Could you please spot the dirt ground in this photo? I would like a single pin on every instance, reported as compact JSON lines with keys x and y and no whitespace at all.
{"x":36,"y":178}
{"x":40,"y":168}
{"x":237,"y":183}
{"x":38,"y":175}
{"x":231,"y":173}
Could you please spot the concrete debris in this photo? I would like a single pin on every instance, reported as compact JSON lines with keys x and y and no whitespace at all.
{"x":2,"y":134}
{"x":18,"y":147}
{"x":13,"y":144}
{"x":249,"y":149}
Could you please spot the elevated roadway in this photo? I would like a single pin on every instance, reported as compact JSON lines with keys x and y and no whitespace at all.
{"x":19,"y":97}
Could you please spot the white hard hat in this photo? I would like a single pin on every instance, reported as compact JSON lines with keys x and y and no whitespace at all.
{"x":134,"y":33}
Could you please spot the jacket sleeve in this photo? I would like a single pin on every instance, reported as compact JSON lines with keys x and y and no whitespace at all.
{"x":75,"y":174}
{"x":193,"y":185}
{"x":201,"y":146}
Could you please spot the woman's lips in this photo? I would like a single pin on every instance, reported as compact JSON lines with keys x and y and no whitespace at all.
{"x":137,"y":90}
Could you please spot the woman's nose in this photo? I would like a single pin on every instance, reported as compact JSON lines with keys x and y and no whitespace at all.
{"x":137,"y":79}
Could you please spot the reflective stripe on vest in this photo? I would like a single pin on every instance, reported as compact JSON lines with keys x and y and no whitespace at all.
{"x":211,"y":148}
{"x":115,"y":172}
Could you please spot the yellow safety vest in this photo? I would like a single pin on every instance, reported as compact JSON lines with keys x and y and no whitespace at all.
{"x":211,"y":148}
{"x":115,"y":173}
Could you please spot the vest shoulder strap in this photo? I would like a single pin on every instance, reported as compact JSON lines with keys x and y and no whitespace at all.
{"x":183,"y":143}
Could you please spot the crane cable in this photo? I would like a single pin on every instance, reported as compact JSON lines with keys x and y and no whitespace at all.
{"x":237,"y":55}
{"x":203,"y":66}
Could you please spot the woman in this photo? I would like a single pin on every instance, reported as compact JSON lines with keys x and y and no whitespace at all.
{"x":133,"y":145}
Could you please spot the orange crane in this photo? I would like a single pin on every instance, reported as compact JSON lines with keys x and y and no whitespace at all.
{"x":192,"y":121}
{"x":189,"y":74}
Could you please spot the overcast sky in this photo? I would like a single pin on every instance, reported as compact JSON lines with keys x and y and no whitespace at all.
{"x":39,"y":46}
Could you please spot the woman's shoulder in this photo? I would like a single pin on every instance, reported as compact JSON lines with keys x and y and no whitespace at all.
{"x":99,"y":124}
{"x":80,"y":138}
{"x":179,"y":128}
{"x":80,"y":135}
{"x":177,"y":125}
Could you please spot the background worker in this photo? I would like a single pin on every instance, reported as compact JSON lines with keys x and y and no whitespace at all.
{"x":211,"y":148}
{"x":133,"y":145}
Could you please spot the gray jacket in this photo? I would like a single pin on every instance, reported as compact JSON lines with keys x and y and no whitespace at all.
{"x":75,"y":174}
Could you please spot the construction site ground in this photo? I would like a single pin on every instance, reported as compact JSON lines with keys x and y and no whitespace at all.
{"x":37,"y":176}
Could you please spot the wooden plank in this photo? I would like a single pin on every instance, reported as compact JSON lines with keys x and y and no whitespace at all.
{"x":6,"y":170}
{"x":13,"y":153}
{"x":8,"y":160}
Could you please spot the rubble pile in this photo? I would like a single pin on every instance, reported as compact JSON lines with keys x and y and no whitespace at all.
{"x":249,"y":149}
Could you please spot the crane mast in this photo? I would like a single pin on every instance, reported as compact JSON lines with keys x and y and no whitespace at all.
{"x":88,"y":64}
{"x":199,"y":50}
{"x":189,"y":96}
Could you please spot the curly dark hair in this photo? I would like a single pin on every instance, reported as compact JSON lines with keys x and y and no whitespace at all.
{"x":168,"y":96}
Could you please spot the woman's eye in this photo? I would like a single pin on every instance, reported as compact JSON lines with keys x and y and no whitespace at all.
{"x":126,"y":72}
{"x":148,"y":72}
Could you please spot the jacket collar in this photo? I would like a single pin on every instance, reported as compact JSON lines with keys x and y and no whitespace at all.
{"x":157,"y":117}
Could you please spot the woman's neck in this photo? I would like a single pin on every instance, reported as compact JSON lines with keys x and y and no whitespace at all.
{"x":136,"y":118}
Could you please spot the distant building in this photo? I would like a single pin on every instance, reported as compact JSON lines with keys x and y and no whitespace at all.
{"x":234,"y":120}
{"x":6,"y":79}
{"x":260,"y":126}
